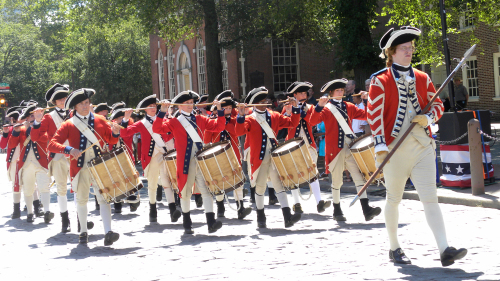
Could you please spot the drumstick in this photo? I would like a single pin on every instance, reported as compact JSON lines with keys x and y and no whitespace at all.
{"x":43,"y":109}
{"x":86,"y":149}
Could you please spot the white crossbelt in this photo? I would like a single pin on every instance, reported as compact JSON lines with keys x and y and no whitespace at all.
{"x":189,"y":128}
{"x":84,"y":129}
{"x":343,"y":124}
{"x":264,"y":125}
{"x":156,"y":137}
{"x":58,"y":122}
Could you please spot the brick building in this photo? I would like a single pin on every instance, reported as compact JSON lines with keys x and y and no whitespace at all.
{"x":482,"y":76}
{"x":274,"y":66}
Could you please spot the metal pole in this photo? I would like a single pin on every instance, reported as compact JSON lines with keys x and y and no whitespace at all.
{"x":476,"y":161}
{"x":447,"y":53}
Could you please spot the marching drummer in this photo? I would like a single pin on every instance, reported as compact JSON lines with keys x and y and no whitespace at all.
{"x":337,"y":116}
{"x":153,"y":148}
{"x":188,"y":131}
{"x":261,"y":128}
{"x":13,"y":152}
{"x":304,"y":130}
{"x":228,"y":134}
{"x":83,"y":146}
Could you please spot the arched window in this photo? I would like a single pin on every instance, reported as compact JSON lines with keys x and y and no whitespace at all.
{"x":223,"y":58}
{"x":171,"y":73}
{"x":200,"y":57}
{"x":161,"y":75}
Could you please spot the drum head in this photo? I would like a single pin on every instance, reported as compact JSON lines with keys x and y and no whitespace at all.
{"x":288,"y":146}
{"x":213,"y":150}
{"x":363,"y":142}
{"x":106,"y":156}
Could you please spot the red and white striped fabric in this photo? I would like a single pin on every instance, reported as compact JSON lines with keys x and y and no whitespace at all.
{"x":455,"y":160}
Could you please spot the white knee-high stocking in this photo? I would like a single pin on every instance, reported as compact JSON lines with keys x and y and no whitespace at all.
{"x":259,"y":201}
{"x":169,"y":194}
{"x":436,"y":223}
{"x":186,"y":204}
{"x":316,"y":191}
{"x":336,"y":196}
{"x":391,"y":213}
{"x":105,"y":216}
{"x":45,"y":198}
{"x":283,"y":199}
{"x":63,"y":203}
{"x":28,"y":200}
{"x":363,"y":195}
{"x":81,"y":210}
{"x":295,"y":194}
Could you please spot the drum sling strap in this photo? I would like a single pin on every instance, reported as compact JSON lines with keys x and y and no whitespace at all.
{"x":340,"y":119}
{"x":156,"y":137}
{"x":263,"y":124}
{"x":189,"y":128}
{"x":57,"y":121}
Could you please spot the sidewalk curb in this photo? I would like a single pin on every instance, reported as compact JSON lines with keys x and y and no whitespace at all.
{"x":474,"y":201}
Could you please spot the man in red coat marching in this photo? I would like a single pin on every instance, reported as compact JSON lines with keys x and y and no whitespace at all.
{"x":337,"y":116}
{"x":13,"y":153}
{"x":81,"y":131}
{"x":153,"y":148}
{"x":397,"y":96}
{"x":228,"y":134}
{"x":304,"y":131}
{"x":44,"y":129}
{"x":261,"y":128}
{"x":32,"y":164}
{"x":188,"y":131}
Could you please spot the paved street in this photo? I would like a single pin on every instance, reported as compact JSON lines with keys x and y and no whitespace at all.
{"x":317,"y":247}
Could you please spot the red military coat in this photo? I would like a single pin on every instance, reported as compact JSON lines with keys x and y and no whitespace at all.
{"x":127,"y":142}
{"x":69,"y":132}
{"x":39,"y":148}
{"x":304,"y":119}
{"x":44,"y":132}
{"x":147,"y":148}
{"x":333,"y":137}
{"x":4,"y":141}
{"x":255,"y":135}
{"x":384,"y":103}
{"x":174,"y":126}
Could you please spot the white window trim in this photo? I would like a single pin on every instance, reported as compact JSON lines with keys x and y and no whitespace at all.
{"x":462,"y":22}
{"x":202,"y":83}
{"x":465,"y":81}
{"x":183,"y":49}
{"x":161,"y":75}
{"x":298,"y":65}
{"x":171,"y":72}
{"x":225,"y":72}
{"x":496,"y":75}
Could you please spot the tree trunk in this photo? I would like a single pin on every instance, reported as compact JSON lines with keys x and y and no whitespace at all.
{"x":212,"y":53}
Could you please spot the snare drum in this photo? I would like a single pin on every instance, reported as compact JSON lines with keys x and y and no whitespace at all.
{"x":170,"y":162}
{"x":115,"y":175}
{"x":294,"y":164}
{"x":363,"y":152}
{"x":220,"y":167}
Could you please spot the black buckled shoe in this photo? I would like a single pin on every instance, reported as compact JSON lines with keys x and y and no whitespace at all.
{"x":159,"y":193}
{"x":213,"y":225}
{"x":30,"y":218}
{"x":66,"y":226}
{"x":451,"y":254}
{"x":118,"y":208}
{"x":261,"y":219}
{"x":399,"y":257}
{"x":174,"y":213}
{"x":323,"y":205}
{"x":220,"y":209}
{"x":245,"y":192}
{"x":187,"y":223}
{"x":199,"y":200}
{"x":37,"y":209}
{"x":290,"y":219}
{"x":83,"y":238}
{"x":134,"y":206}
{"x":252,"y":194}
{"x":153,"y":214}
{"x":110,"y":238}
{"x":297,"y":208}
{"x":17,"y":211}
{"x":48,"y":216}
{"x":337,"y":213}
{"x":368,"y":211}
{"x":242,"y":211}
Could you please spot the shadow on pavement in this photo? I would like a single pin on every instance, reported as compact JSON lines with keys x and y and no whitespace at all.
{"x":160,"y":228}
{"x":344,"y":226}
{"x":124,"y":217}
{"x":204,"y":238}
{"x":62,"y":239}
{"x":82,"y":251}
{"x":22,"y":225}
{"x":415,"y":273}
{"x":276,"y":232}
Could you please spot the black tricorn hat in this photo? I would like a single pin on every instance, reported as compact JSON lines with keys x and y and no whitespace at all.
{"x":298,"y":87}
{"x":27,"y":103}
{"x":395,"y":37}
{"x":185,"y":96}
{"x":117,"y":114}
{"x":256,"y":95}
{"x":334,"y":84}
{"x":102,"y":106}
{"x":27,"y":111}
{"x":56,"y":92}
{"x":226,"y":98}
{"x":118,"y":105}
{"x":14,"y":112}
{"x":77,"y":97}
{"x":147,"y":101}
